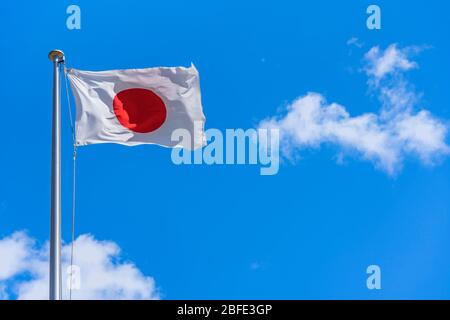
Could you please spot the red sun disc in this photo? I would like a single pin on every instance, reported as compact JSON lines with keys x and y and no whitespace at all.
{"x":140,"y":110}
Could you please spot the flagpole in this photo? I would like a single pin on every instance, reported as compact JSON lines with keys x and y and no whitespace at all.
{"x":57,"y":57}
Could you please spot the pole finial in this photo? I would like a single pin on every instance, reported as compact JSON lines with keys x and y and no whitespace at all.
{"x":56,"y":55}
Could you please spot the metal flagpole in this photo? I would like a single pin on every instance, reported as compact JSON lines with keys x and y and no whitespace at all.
{"x":57,"y":57}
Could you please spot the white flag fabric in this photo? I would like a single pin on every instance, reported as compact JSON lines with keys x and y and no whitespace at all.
{"x":138,"y":106}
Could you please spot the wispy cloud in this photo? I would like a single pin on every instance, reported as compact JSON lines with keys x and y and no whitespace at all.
{"x":385,"y":138}
{"x":255,"y":265}
{"x":102,"y":274}
{"x":382,"y":63}
{"x":354,"y":41}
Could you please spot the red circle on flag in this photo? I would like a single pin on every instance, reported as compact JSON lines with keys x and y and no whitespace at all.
{"x":140,"y":110}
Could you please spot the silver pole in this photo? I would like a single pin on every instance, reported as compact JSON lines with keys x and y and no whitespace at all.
{"x":57,"y":57}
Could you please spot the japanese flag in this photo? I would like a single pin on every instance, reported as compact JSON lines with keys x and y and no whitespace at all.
{"x":138,"y":106}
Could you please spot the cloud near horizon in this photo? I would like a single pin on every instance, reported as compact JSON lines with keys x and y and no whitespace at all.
{"x":385,"y":138}
{"x":24,"y":270}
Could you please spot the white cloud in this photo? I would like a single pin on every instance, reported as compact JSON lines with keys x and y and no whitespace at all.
{"x":422,"y":134}
{"x":102,"y":274}
{"x":385,"y":70}
{"x":385,"y":138}
{"x":14,"y":253}
{"x":391,"y":60}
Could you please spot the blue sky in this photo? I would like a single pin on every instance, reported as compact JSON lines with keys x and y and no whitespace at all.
{"x":212,"y":232}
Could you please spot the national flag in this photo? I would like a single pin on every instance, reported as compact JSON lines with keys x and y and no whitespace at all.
{"x":138,"y":106}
